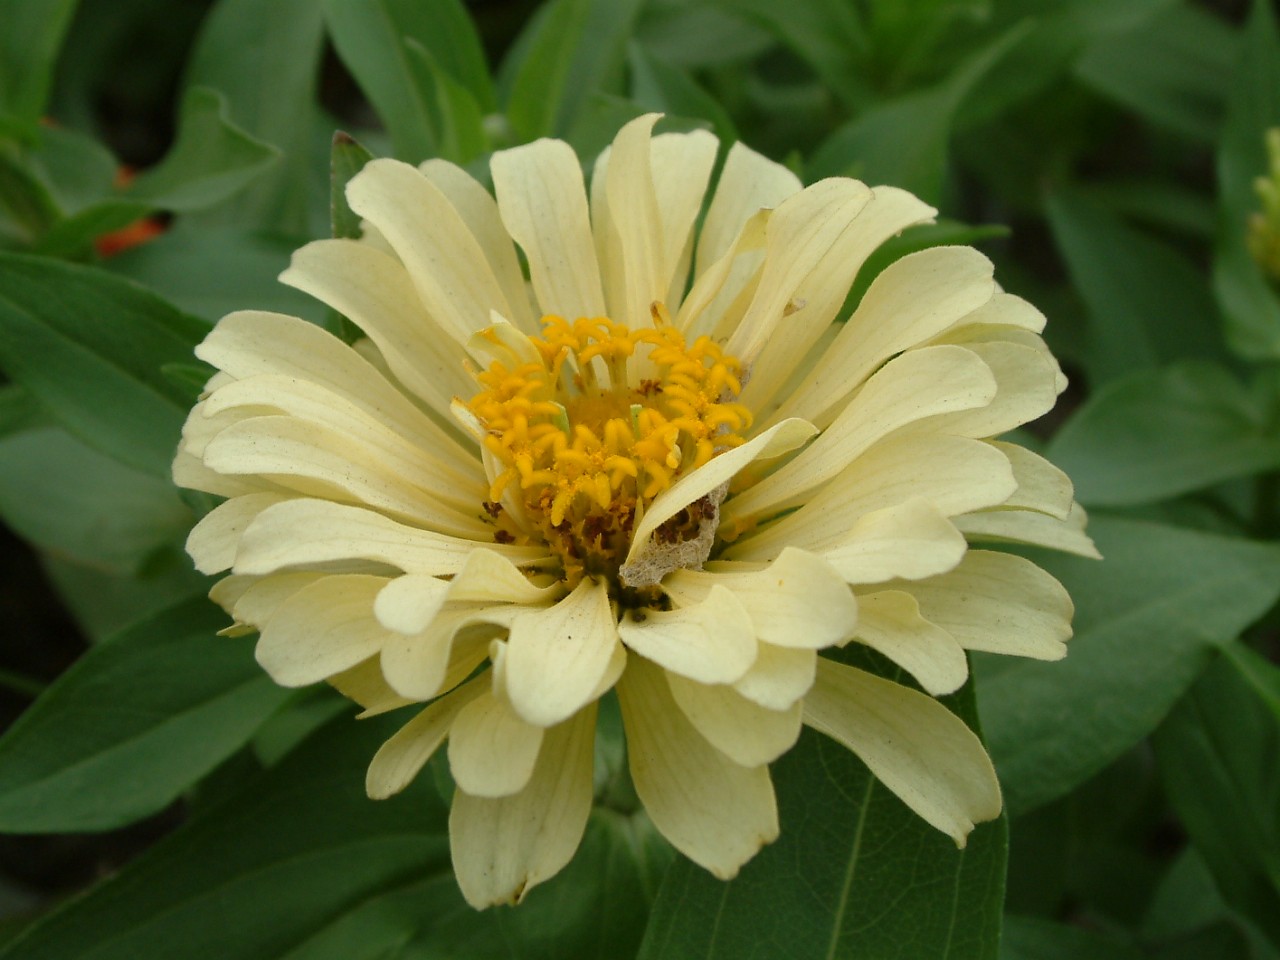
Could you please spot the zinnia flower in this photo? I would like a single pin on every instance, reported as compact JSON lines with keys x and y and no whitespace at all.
{"x":665,"y":464}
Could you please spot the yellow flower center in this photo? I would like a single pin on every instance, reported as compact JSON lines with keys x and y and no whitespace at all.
{"x":586,"y":435}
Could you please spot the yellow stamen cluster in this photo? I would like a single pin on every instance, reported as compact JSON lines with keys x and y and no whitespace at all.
{"x":583,"y":447}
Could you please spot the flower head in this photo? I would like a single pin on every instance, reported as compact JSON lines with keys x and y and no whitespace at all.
{"x":664,"y":464}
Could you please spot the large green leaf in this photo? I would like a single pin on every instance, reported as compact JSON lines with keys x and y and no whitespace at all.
{"x":1148,"y":618}
{"x":31,"y":33}
{"x":1030,"y":938}
{"x":854,"y":874}
{"x":67,"y":498}
{"x":1250,"y":305}
{"x":89,"y":347}
{"x":904,"y":141}
{"x":258,"y":875}
{"x":264,"y":58}
{"x":135,"y":722}
{"x":1161,"y":433}
{"x":1217,"y":756}
{"x":1147,"y":303}
{"x":574,"y":49}
{"x":1171,"y":70}
{"x":373,"y":41}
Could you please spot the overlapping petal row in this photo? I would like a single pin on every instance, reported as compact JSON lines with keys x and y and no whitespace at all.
{"x":859,"y":505}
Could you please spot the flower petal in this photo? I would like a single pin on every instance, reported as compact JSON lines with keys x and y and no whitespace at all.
{"x":918,"y":384}
{"x":365,"y":684}
{"x":491,"y":750}
{"x":914,"y":745}
{"x":912,"y":300}
{"x":745,"y":732}
{"x":1031,"y":527}
{"x":892,"y":625}
{"x":682,"y":164}
{"x":504,"y":847}
{"x":910,"y":541}
{"x":419,"y":666}
{"x":557,"y":656}
{"x":543,"y":203}
{"x":213,"y":541}
{"x":398,"y":761}
{"x":779,"y":677}
{"x":714,"y":811}
{"x":1041,"y":485}
{"x":749,"y":182}
{"x":323,"y":629}
{"x":1026,"y":388}
{"x":999,"y":603}
{"x":450,"y":272}
{"x":796,"y":601}
{"x":711,"y":641}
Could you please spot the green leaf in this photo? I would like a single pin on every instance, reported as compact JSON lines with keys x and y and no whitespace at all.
{"x":921,"y":237}
{"x":19,"y":411}
{"x":677,"y":34}
{"x":373,"y":41}
{"x":258,"y":875}
{"x":24,"y":199}
{"x":1216,"y":754}
{"x":135,"y":722}
{"x":575,"y":48}
{"x":29,"y":42}
{"x":664,"y":88}
{"x":461,"y":132}
{"x":264,"y":58}
{"x":904,"y":141}
{"x":1189,"y":919}
{"x":346,"y":159}
{"x":854,"y":874}
{"x":89,"y":347}
{"x":1148,"y":618}
{"x":1158,"y":434}
{"x":211,"y":271}
{"x":1258,"y":672}
{"x":89,"y":508}
{"x":1251,"y":307}
{"x":1171,"y":70}
{"x":1147,"y":303}
{"x":1031,"y":938}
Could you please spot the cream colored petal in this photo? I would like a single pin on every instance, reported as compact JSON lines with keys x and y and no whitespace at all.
{"x":323,"y":629}
{"x":251,"y":342}
{"x":454,"y":479}
{"x":398,"y":761}
{"x":190,"y":473}
{"x":916,"y":385}
{"x":714,"y":811}
{"x":502,"y":848}
{"x":374,"y":292}
{"x":479,"y":211}
{"x":914,"y":745}
{"x":775,"y":441}
{"x":543,"y":203}
{"x":779,"y":677}
{"x":1041,"y":485}
{"x":682,"y":164}
{"x":557,"y":656}
{"x":711,"y":641}
{"x":213,"y":541}
{"x":408,"y":603}
{"x":627,"y":224}
{"x":999,"y":603}
{"x":800,"y":234}
{"x":1031,"y":527}
{"x":891,"y":624}
{"x":263,"y":598}
{"x":308,"y":531}
{"x":421,"y":665}
{"x":741,"y":729}
{"x":910,"y":541}
{"x":491,"y":750}
{"x":1027,"y":388}
{"x":912,"y":300}
{"x":724,"y":288}
{"x":1006,"y":310}
{"x":797,"y":601}
{"x":954,"y":474}
{"x":318,"y":462}
{"x":748,"y":182}
{"x":455,"y":283}
{"x":365,"y":684}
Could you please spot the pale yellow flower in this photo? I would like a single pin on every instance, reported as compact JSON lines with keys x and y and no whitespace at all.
{"x":663,"y":464}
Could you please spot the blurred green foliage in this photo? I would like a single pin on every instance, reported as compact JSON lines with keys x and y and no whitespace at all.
{"x":1102,"y":152}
